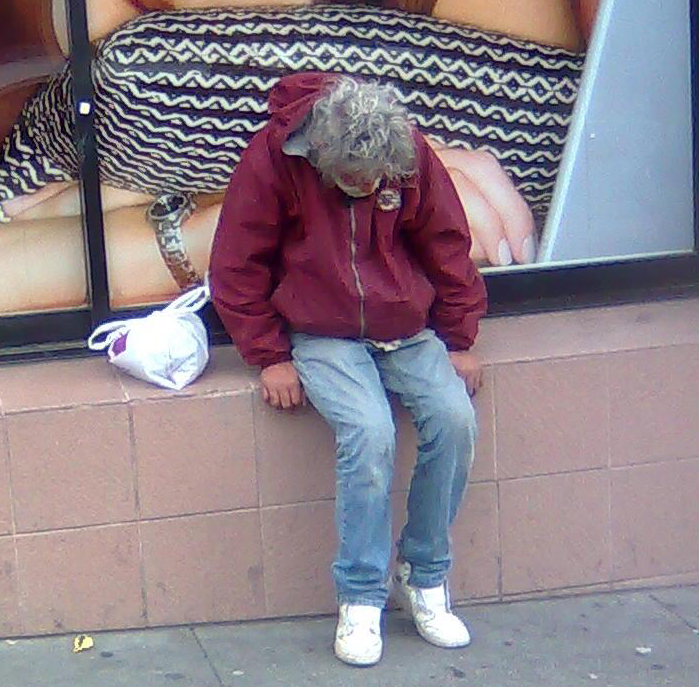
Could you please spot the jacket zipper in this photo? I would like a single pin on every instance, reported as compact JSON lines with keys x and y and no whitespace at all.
{"x":357,"y":280}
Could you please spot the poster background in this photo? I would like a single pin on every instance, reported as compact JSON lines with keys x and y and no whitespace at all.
{"x":137,"y":274}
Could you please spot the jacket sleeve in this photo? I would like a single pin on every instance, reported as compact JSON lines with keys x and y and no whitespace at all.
{"x":243,"y":256}
{"x":441,"y":243}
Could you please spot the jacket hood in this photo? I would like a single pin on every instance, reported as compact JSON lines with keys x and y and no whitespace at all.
{"x":293,"y":96}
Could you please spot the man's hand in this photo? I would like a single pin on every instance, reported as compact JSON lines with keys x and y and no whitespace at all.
{"x":468,"y":367}
{"x":281,"y":386}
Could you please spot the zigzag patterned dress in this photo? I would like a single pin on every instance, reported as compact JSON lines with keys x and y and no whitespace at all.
{"x":178,"y":95}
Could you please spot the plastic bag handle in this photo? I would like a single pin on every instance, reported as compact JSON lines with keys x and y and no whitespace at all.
{"x":192,"y":300}
{"x":109,"y":330}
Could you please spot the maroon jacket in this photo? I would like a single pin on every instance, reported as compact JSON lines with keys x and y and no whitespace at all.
{"x":291,"y":254}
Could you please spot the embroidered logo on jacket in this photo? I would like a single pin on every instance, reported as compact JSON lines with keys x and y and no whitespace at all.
{"x":388,"y":199}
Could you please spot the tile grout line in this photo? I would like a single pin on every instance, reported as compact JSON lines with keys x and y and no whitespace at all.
{"x":608,"y":439}
{"x":129,"y":400}
{"x":8,"y":467}
{"x":137,"y":503}
{"x":498,"y":528}
{"x":13,"y":522}
{"x":598,"y":468}
{"x":265,"y":594}
{"x":162,"y":518}
{"x":65,"y":407}
{"x":498,"y":524}
{"x":206,"y":655}
{"x":494,"y":419}
{"x":612,"y":350}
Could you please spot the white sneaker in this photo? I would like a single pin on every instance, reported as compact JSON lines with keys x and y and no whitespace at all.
{"x":358,"y":635}
{"x":430,"y":611}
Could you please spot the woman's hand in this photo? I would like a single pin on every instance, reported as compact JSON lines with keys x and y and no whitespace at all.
{"x":501,"y":223}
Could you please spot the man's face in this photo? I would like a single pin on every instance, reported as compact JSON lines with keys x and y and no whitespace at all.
{"x":357,"y":186}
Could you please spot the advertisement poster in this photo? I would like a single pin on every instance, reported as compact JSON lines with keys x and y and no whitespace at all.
{"x":566,"y":125}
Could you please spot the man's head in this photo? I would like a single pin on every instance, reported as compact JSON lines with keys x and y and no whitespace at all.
{"x":359,"y":134}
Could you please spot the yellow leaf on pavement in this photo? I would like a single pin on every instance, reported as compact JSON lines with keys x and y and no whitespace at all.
{"x":82,"y":643}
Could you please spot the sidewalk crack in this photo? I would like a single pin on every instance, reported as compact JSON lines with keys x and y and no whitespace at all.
{"x":206,"y":656}
{"x":670,"y":609}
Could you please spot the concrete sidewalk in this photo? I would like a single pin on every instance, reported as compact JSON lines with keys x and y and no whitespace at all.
{"x":590,"y":640}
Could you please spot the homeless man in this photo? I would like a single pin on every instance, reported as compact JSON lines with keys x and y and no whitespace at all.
{"x":341,"y":267}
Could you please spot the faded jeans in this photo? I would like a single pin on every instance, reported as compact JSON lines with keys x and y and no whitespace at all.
{"x":346,"y":380}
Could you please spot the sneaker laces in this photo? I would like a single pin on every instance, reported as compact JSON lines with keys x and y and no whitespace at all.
{"x":434,"y":600}
{"x":358,"y":616}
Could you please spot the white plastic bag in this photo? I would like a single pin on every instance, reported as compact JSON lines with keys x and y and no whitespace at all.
{"x":169,"y":347}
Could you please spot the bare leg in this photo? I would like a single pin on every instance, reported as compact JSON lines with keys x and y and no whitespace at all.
{"x":551,"y":22}
{"x":137,"y":273}
{"x":43,"y":257}
{"x":17,"y":206}
{"x":43,"y":267}
{"x":67,"y":202}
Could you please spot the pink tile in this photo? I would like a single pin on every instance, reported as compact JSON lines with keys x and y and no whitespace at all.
{"x":71,"y":467}
{"x":5,"y":505}
{"x":554,"y":531}
{"x":588,"y":331}
{"x":10,"y":622}
{"x":475,"y":545}
{"x":225,"y":373}
{"x":399,"y":516}
{"x":295,"y":455}
{"x":483,"y":402}
{"x":78,"y":580}
{"x":655,"y":516}
{"x":194,"y":455}
{"x":299,"y":544}
{"x":406,"y":447}
{"x":551,"y":417}
{"x":654,"y":402}
{"x":203,"y":568}
{"x":62,"y":383}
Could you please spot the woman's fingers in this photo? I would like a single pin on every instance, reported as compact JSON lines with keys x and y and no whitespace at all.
{"x":478,"y":254}
{"x":486,"y":227}
{"x":495,"y":186}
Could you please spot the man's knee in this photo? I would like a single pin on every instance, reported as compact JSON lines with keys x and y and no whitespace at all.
{"x":367,"y":451}
{"x":450,"y":426}
{"x":456,"y":419}
{"x":374,"y":432}
{"x":460,"y":421}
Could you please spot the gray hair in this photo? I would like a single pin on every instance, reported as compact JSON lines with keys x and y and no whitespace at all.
{"x":361,"y":128}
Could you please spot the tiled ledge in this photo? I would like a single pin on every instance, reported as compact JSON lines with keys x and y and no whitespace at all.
{"x":589,"y":331}
{"x":122,"y":504}
{"x":90,"y":381}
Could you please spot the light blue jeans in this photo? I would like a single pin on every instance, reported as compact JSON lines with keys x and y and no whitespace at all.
{"x":346,"y":380}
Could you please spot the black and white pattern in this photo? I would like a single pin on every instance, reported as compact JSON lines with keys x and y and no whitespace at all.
{"x":178,"y":95}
